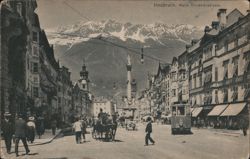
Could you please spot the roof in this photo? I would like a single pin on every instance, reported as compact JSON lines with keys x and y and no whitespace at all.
{"x":233,"y":17}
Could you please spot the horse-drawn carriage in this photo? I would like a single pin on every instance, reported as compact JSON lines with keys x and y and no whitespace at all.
{"x":105,"y":127}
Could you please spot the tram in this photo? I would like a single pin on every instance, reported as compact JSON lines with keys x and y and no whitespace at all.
{"x":180,"y":119}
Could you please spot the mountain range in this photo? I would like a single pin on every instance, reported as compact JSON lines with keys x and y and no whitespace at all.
{"x":104,"y":46}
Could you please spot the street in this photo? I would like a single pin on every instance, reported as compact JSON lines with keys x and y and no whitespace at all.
{"x":203,"y":143}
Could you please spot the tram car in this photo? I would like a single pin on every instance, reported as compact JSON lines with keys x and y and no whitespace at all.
{"x":180,"y":119}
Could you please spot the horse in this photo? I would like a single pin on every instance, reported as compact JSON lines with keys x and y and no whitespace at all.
{"x":104,"y":126}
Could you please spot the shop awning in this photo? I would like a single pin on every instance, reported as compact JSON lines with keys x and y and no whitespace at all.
{"x":196,"y":111}
{"x":233,"y":109}
{"x":217,"y":110}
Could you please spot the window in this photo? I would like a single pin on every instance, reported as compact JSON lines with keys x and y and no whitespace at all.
{"x":225,"y":93}
{"x":59,"y":100}
{"x":35,"y":92}
{"x":35,"y":50}
{"x":174,"y":92}
{"x":216,"y":74}
{"x":216,"y":97}
{"x":235,"y":93}
{"x":247,"y":61}
{"x":226,"y":46}
{"x":225,"y":66}
{"x":247,"y":91}
{"x":208,"y":77}
{"x":35,"y":79}
{"x":194,"y":80}
{"x":200,"y":80}
{"x":35,"y":67}
{"x":83,"y":86}
{"x":235,"y":68}
{"x":236,"y":41}
{"x":35,"y":36}
{"x":174,"y":76}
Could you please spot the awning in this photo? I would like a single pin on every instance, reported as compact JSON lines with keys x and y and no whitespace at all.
{"x":233,"y":109}
{"x":196,"y":111}
{"x":217,"y":110}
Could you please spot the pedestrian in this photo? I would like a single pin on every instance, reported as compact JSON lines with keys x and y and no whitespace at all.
{"x":148,"y":132}
{"x":8,"y":131}
{"x":40,"y":126}
{"x":244,"y":124}
{"x":77,"y":127}
{"x":31,"y":127}
{"x":20,"y":130}
{"x":53,"y":127}
{"x":84,"y":131}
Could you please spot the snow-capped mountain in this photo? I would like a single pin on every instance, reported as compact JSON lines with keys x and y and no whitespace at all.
{"x":107,"y":63}
{"x":83,"y":31}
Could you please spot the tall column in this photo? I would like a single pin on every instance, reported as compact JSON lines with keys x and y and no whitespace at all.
{"x":129,"y":68}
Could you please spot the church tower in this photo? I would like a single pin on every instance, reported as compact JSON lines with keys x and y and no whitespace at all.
{"x":84,"y":79}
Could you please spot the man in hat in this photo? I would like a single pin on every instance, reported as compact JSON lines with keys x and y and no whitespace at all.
{"x":8,"y":131}
{"x":148,"y":132}
{"x":20,"y":134}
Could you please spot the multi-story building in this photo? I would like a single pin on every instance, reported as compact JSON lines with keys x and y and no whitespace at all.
{"x":48,"y":72}
{"x":64,"y":95}
{"x":106,"y":105}
{"x":219,"y":68}
{"x":12,"y":59}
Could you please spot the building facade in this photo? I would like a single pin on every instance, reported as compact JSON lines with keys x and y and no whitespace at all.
{"x":219,"y":69}
{"x":12,"y":59}
{"x":64,"y":94}
{"x":106,"y":105}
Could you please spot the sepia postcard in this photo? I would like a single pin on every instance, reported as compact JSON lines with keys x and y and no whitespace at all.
{"x":125,"y":79}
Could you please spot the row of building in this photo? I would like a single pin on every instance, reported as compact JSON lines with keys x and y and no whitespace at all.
{"x":32,"y":82}
{"x":212,"y":75}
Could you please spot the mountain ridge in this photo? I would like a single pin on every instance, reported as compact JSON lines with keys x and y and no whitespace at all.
{"x":107,"y":63}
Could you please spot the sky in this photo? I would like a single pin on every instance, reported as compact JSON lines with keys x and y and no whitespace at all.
{"x":55,"y":13}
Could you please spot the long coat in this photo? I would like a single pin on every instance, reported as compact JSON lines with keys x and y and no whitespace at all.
{"x":20,"y":128}
{"x":8,"y":128}
{"x":149,"y":128}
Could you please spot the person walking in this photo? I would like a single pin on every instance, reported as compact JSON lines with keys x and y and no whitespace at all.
{"x":40,"y":126}
{"x":31,"y":129}
{"x":53,"y":127}
{"x":148,"y":132}
{"x":84,"y":127}
{"x":20,"y":134}
{"x":8,"y":131}
{"x":77,"y":127}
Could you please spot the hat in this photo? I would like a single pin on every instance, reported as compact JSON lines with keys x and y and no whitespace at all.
{"x":31,"y":118}
{"x":148,"y":119}
{"x":7,"y":114}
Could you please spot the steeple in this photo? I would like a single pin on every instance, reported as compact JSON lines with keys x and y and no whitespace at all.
{"x":84,"y":77}
{"x":84,"y":73}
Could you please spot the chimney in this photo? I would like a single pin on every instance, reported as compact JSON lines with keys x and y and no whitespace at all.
{"x":194,"y":41}
{"x":215,"y":25}
{"x":221,"y":14}
{"x":188,"y":46}
{"x":207,"y":29}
